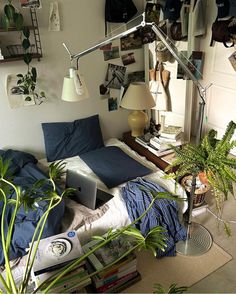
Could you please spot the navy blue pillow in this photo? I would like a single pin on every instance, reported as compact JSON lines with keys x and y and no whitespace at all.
{"x":113,"y":166}
{"x":67,"y":139}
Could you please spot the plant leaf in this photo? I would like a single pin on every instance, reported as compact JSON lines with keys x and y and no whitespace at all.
{"x":27,"y":58}
{"x":5,"y":22}
{"x":26,"y":44}
{"x":34,"y":74}
{"x":18,"y":20}
{"x":26,"y":32}
{"x":9,"y":11}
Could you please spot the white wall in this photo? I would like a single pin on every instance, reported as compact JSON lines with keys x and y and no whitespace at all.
{"x":82,"y":23}
{"x":221,"y":96}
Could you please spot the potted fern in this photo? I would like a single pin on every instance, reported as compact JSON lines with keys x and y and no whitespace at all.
{"x":211,"y":158}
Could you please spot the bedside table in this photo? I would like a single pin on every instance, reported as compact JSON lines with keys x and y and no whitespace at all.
{"x":130,"y":141}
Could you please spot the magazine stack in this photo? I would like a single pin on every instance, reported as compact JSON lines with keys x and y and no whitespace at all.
{"x":118,"y":276}
{"x":52,"y":255}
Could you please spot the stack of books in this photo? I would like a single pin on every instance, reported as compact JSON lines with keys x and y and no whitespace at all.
{"x":143,"y":140}
{"x":163,"y":144}
{"x":171,"y":132}
{"x":118,"y":276}
{"x":52,"y":255}
{"x":160,"y":145}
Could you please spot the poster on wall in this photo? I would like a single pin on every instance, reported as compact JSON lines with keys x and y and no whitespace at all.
{"x":54,"y":17}
{"x":15,"y":96}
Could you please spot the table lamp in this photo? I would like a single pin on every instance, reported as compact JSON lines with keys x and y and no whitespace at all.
{"x":138,"y":98}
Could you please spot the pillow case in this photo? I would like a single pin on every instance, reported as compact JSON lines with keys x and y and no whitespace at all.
{"x":113,"y":166}
{"x":67,"y":139}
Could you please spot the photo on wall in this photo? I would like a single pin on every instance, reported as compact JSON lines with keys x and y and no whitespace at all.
{"x":115,"y":76}
{"x":112,"y":104}
{"x":128,"y":58}
{"x":112,"y":53}
{"x":132,"y":41}
{"x":136,"y":76}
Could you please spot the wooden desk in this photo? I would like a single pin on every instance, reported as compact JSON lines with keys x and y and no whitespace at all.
{"x":130,"y":141}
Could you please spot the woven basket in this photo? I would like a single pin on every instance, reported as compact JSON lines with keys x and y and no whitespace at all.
{"x":200,"y":193}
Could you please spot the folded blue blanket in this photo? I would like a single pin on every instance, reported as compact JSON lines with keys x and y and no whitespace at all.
{"x":164,"y":212}
{"x":25,"y":173}
{"x":113,"y":166}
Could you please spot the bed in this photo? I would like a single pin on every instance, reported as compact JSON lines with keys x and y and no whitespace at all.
{"x":88,"y":222}
{"x":70,"y":141}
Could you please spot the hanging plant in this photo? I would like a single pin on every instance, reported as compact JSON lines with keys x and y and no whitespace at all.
{"x":27,"y":82}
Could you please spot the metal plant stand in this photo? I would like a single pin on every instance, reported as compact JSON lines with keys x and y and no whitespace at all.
{"x":199,"y":239}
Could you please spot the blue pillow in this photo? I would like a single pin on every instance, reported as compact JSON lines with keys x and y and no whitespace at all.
{"x":67,"y":139}
{"x":113,"y":166}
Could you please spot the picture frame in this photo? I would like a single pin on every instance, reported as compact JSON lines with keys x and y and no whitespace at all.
{"x":31,"y":3}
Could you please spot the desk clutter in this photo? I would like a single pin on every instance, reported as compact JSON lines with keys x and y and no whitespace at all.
{"x":52,"y":255}
{"x":160,"y":144}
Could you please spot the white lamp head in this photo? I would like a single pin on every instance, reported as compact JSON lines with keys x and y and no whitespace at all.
{"x":74,"y":88}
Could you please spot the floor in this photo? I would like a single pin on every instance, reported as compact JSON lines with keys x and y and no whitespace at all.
{"x":222,"y":280}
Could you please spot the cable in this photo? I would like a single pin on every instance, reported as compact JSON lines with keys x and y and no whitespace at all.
{"x":218,"y":218}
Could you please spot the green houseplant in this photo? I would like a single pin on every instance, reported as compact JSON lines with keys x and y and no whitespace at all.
{"x":28,"y":199}
{"x":210,"y":157}
{"x":27,"y":82}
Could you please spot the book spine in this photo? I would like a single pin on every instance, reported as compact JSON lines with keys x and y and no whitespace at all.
{"x":169,"y":136}
{"x":116,"y":276}
{"x":160,"y":153}
{"x":78,"y":280}
{"x":167,"y":140}
{"x":119,"y":266}
{"x":144,"y":144}
{"x":117,"y":282}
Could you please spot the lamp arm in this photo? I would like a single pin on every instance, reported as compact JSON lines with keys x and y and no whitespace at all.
{"x":173,"y":50}
{"x":158,"y":32}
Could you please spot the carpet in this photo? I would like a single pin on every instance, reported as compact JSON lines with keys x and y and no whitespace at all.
{"x":180,"y":269}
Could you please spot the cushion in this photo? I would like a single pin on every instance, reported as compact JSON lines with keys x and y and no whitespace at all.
{"x":113,"y":166}
{"x":67,"y":139}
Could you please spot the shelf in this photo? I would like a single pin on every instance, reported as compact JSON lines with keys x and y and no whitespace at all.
{"x":20,"y":57}
{"x":37,"y":42}
{"x":2,"y":30}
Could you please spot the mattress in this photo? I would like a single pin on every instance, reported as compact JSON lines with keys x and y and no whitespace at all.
{"x":113,"y":213}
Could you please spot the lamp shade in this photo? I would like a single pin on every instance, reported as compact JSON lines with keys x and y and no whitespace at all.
{"x":69,"y":92}
{"x":138,"y":97}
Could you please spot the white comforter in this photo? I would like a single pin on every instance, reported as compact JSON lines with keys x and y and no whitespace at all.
{"x":114,"y":213}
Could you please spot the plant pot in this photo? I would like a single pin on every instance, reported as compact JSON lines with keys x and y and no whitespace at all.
{"x":203,"y":177}
{"x":200,"y":191}
{"x":28,"y":99}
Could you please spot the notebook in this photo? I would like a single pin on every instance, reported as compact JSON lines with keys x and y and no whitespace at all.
{"x":86,"y":192}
